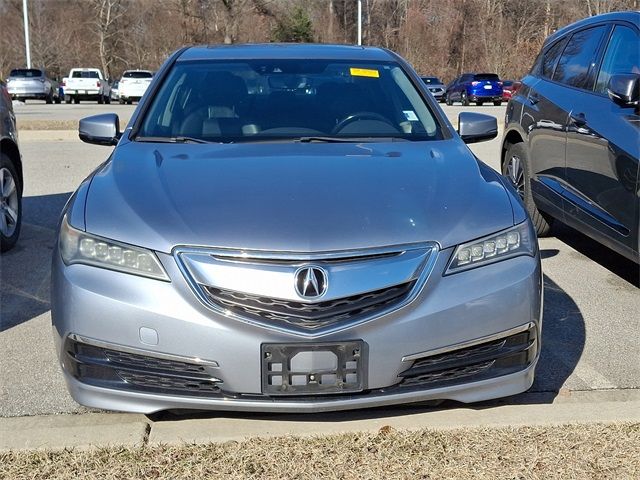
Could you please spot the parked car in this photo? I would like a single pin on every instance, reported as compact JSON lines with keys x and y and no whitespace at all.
{"x":32,"y":83}
{"x":86,"y":84}
{"x":133,"y":84}
{"x":329,"y":245}
{"x":509,"y":88}
{"x":571,"y":140}
{"x":435,"y":86}
{"x":11,"y":180}
{"x":475,"y":87}
{"x":115,"y":91}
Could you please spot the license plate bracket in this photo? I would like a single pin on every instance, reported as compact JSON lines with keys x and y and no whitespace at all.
{"x":313,"y":368}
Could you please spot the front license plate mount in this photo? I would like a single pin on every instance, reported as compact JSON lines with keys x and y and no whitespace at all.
{"x":313,"y":368}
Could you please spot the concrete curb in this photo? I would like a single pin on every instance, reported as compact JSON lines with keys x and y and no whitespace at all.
{"x":94,"y":430}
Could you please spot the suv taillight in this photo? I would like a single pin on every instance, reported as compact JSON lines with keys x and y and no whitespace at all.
{"x":500,"y":83}
{"x":475,"y":83}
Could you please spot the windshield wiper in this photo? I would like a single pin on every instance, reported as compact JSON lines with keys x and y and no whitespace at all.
{"x":349,"y":139}
{"x":179,"y":139}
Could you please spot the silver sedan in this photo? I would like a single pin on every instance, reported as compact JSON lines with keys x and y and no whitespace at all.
{"x":297,"y":229}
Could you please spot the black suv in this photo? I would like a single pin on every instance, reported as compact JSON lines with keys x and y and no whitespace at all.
{"x":572,"y":135}
{"x":10,"y":174}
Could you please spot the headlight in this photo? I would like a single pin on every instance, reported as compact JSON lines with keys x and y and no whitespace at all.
{"x":512,"y":242}
{"x":80,"y":247}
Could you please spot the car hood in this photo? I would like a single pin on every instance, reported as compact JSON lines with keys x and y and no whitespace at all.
{"x":298,"y":197}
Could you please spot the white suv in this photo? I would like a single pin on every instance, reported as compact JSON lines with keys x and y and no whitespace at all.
{"x":133,"y":84}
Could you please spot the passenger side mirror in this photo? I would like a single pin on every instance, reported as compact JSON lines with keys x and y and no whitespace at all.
{"x":477,"y":127}
{"x":101,"y":129}
{"x":624,"y":89}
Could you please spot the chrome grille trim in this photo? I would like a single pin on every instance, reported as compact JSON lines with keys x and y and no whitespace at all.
{"x":428,"y":251}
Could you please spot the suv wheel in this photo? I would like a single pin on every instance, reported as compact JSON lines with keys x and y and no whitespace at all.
{"x":464,"y":99}
{"x":498,"y":103}
{"x":10,"y":204}
{"x":516,"y":168}
{"x":447,"y":100}
{"x":49,"y":98}
{"x":479,"y":103}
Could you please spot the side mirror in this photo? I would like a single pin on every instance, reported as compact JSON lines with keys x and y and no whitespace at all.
{"x":100,"y":129}
{"x":624,"y":89}
{"x":477,"y":127}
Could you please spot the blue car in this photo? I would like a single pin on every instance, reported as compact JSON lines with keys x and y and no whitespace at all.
{"x":475,"y":87}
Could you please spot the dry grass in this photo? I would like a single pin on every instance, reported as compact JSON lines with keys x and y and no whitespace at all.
{"x":562,"y":452}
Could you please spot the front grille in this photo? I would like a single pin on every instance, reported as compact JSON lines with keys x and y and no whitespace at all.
{"x":152,"y":363}
{"x":175,"y":384}
{"x":486,"y":360}
{"x":105,"y":367}
{"x":310,"y":316}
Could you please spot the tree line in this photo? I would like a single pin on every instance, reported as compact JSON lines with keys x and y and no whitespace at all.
{"x":439,"y":37}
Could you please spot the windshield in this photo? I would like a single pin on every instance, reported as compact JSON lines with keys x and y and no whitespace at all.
{"x":81,"y":74}
{"x":259,"y":100}
{"x":25,"y":72}
{"x":137,"y":75}
{"x":492,"y":77}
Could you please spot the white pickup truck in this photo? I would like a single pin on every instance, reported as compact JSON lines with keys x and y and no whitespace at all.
{"x":86,"y":84}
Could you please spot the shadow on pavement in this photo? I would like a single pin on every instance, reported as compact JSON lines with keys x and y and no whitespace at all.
{"x":26,"y":269}
{"x":563,"y":340}
{"x":607,"y":258}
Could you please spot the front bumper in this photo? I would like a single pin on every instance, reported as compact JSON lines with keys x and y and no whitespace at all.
{"x":112,"y":308}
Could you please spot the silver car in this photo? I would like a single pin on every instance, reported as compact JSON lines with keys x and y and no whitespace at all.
{"x":293,"y":228}
{"x":32,"y":83}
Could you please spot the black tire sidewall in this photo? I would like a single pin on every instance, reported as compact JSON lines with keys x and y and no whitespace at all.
{"x":7,"y":243}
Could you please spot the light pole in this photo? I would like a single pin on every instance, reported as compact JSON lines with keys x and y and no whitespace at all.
{"x":359,"y":22}
{"x":25,"y":15}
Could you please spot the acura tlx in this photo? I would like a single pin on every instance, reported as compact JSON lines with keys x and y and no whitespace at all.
{"x":293,"y":228}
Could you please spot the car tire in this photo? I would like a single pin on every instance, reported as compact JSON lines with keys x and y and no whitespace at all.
{"x":67,"y":99}
{"x":58,"y":100}
{"x":497,"y":104}
{"x":49,"y":98}
{"x":447,"y":100}
{"x":76,"y":100}
{"x":9,"y":234}
{"x":107,"y":100}
{"x":479,"y":103}
{"x":518,"y":171}
{"x":464,"y":99}
{"x":129,"y":102}
{"x":100,"y":99}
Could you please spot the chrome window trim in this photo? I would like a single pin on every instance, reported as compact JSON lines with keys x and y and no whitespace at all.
{"x":422,"y":275}
{"x":470,"y":343}
{"x":140,"y":351}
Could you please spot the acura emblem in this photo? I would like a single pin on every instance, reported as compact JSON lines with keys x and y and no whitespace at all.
{"x":311,"y":282}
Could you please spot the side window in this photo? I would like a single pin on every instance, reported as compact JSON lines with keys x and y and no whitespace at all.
{"x":623,"y":56}
{"x":576,"y":65}
{"x":551,"y":58}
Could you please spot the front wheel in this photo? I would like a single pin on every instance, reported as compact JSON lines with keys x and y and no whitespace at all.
{"x":479,"y":103}
{"x":49,"y":98}
{"x":498,"y":103}
{"x":447,"y":100}
{"x":464,"y":99}
{"x":100,"y":99}
{"x":76,"y":100}
{"x":10,"y":204}
{"x":517,"y":169}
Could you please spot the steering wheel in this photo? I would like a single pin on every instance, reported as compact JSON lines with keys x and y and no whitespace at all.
{"x":360,"y":116}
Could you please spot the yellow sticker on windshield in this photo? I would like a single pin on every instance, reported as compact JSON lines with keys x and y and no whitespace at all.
{"x":364,"y":72}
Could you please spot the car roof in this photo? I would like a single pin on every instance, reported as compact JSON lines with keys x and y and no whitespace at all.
{"x":632,"y":17}
{"x":285,"y":51}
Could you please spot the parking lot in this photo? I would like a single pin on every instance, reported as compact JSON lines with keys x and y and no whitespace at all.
{"x":592,"y":301}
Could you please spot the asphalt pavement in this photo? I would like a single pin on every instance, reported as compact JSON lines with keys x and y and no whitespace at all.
{"x":592,"y":302}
